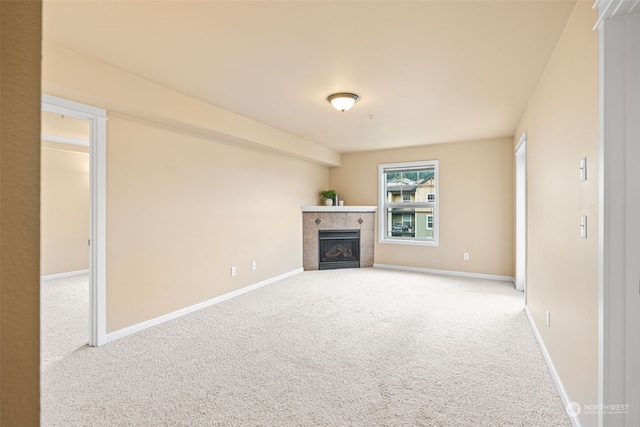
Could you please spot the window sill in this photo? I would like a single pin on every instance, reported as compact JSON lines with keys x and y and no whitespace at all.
{"x":408,"y":242}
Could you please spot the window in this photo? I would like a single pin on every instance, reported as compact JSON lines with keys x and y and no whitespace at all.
{"x":408,"y":210}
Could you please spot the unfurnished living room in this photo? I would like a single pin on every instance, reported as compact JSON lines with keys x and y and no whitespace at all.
{"x":327,"y":213}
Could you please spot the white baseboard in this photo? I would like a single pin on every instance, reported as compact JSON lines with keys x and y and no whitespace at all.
{"x":61,"y":275}
{"x":446,"y":272}
{"x":554,"y":374}
{"x":129,"y":330}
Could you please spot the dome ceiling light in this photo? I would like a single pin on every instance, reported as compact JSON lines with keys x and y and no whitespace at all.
{"x":343,"y":101}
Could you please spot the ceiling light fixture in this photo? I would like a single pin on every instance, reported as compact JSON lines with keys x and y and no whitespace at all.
{"x":343,"y":101}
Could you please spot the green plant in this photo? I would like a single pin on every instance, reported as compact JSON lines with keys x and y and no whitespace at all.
{"x":328,"y":194}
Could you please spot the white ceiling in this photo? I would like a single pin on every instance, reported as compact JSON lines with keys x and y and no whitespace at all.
{"x":426,"y":71}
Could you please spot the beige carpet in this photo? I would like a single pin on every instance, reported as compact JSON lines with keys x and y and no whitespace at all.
{"x":357,"y":347}
{"x":64,"y":317}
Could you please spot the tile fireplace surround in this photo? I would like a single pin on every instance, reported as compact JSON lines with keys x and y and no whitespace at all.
{"x":316,"y":218}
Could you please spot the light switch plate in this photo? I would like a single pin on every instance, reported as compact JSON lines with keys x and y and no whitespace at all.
{"x":583,"y":226}
{"x":583,"y":169}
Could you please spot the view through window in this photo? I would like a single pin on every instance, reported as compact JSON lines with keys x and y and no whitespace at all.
{"x":408,"y":202}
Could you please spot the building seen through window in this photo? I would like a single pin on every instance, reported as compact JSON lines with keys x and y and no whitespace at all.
{"x":408,"y":202}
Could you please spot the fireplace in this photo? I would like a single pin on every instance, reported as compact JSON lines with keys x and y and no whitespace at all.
{"x":340,"y":218}
{"x":338,"y":249}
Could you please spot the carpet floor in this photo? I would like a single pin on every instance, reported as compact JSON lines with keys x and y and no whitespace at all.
{"x":64,"y":317}
{"x":353,"y":347}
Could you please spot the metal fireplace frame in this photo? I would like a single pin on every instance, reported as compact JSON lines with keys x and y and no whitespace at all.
{"x":324,"y":235}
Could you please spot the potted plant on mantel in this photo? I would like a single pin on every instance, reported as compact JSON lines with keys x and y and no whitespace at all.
{"x":328,"y":196}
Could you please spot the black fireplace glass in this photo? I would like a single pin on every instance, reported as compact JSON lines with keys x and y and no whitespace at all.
{"x":338,"y":249}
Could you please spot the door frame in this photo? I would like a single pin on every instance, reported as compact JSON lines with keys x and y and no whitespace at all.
{"x":619,"y":207}
{"x":521,"y":214}
{"x":97,"y":118}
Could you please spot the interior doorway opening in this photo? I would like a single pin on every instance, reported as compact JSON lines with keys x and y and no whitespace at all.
{"x":96,"y":120}
{"x":64,"y":235}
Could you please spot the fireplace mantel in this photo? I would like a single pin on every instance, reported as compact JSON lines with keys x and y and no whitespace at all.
{"x":316,"y":218}
{"x":339,"y":208}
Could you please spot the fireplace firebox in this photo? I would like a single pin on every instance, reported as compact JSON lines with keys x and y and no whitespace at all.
{"x":338,"y":249}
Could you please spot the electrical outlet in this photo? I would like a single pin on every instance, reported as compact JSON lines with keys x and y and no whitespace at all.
{"x":466,"y":256}
{"x":548,"y":318}
{"x":233,"y":271}
{"x":254,"y":265}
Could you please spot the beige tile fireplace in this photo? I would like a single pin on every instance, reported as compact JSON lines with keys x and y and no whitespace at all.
{"x":315,"y":218}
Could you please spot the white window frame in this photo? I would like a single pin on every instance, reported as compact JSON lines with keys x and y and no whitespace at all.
{"x":384,"y":236}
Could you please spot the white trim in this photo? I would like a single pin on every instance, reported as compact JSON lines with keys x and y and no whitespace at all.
{"x":602,"y":12}
{"x":79,"y":110}
{"x":521,"y":142}
{"x":62,"y":275}
{"x":98,"y":294}
{"x":445,"y":272}
{"x":554,"y":374}
{"x":632,"y":227}
{"x":602,"y":312}
{"x":412,"y":242}
{"x":622,"y":8}
{"x":97,"y":223}
{"x":618,"y":109}
{"x":521,"y":213}
{"x":64,"y":140}
{"x":187,"y":310}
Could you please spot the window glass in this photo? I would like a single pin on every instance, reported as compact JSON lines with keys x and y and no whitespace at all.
{"x":408,"y":210}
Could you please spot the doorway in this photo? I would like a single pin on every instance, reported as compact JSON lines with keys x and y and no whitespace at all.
{"x":96,"y":119}
{"x":521,"y":214}
{"x":64,"y":235}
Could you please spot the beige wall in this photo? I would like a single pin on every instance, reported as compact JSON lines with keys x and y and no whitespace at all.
{"x":20,"y":35}
{"x":65,"y":126}
{"x":64,"y":220}
{"x":183,"y":207}
{"x":561,"y":121}
{"x":476,"y":204}
{"x":181,"y":210}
